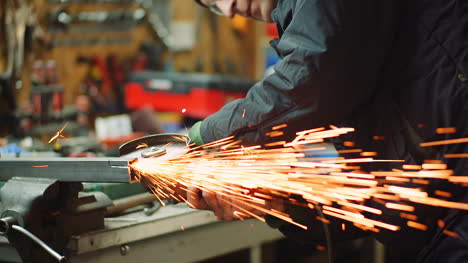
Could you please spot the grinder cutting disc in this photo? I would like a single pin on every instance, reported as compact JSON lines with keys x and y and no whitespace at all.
{"x":161,"y":146}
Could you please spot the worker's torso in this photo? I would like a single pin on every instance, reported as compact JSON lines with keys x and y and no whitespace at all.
{"x":423,"y":86}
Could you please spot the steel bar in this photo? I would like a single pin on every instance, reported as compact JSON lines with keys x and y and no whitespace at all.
{"x":109,"y":170}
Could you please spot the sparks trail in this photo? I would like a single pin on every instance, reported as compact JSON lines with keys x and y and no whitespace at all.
{"x":58,"y":134}
{"x":255,"y":181}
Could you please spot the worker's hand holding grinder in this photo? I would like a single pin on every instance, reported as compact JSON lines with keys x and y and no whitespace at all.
{"x":224,"y":205}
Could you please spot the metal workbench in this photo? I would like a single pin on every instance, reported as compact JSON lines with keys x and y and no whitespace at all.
{"x":174,"y":234}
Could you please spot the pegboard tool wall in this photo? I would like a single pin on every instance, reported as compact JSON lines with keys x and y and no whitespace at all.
{"x":221,"y":45}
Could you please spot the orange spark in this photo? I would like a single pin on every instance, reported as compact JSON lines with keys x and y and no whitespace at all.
{"x":320,"y":248}
{"x":412,"y":167}
{"x":58,"y":134}
{"x":365,"y":154}
{"x":319,"y":218}
{"x":386,"y":197}
{"x":40,"y":166}
{"x":438,"y":202}
{"x":456,"y":155}
{"x":433,"y":161}
{"x":280,"y":143}
{"x":240,"y":215}
{"x":417,"y":225}
{"x":441,"y":174}
{"x":398,"y":179}
{"x":408,"y":216}
{"x":361,"y":207}
{"x":420,"y":181}
{"x":363,"y":221}
{"x":279,"y":127}
{"x":400,"y":207}
{"x":142,"y":145}
{"x":450,"y":233}
{"x":446,"y":130}
{"x":452,"y":141}
{"x":441,"y":223}
{"x":434,"y":166}
{"x":350,"y":151}
{"x":443,"y":193}
{"x":275,"y":134}
{"x":458,"y":179}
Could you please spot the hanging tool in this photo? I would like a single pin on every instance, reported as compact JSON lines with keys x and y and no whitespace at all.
{"x":157,"y":24}
{"x":93,"y":41}
{"x":62,"y":18}
{"x":22,"y":14}
{"x":10,"y":37}
{"x":115,"y":69}
{"x":99,"y":84}
{"x":19,"y":20}
{"x":6,"y":77}
{"x":214,"y":27}
{"x":90,"y":1}
{"x":21,"y":27}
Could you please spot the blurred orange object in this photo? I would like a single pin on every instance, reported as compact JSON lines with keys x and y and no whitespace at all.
{"x":240,"y":24}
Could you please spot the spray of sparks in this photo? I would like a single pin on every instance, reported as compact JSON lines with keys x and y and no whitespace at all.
{"x":251,"y":178}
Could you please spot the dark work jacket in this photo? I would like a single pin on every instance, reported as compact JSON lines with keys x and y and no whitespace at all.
{"x":397,"y":69}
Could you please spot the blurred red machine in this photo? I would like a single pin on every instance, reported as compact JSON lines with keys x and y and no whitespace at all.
{"x":196,"y":95}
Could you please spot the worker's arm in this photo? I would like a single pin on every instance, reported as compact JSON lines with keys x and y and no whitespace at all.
{"x":332,"y":55}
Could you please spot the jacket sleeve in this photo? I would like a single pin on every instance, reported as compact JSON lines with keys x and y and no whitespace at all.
{"x":332,"y":54}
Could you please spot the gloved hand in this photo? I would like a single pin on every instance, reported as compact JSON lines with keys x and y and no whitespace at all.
{"x":227,"y":207}
{"x":195,"y":135}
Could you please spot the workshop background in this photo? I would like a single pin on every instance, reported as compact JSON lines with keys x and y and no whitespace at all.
{"x":81,"y":77}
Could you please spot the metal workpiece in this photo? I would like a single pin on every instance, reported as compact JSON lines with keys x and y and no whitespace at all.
{"x":110,"y":170}
{"x":97,"y":170}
